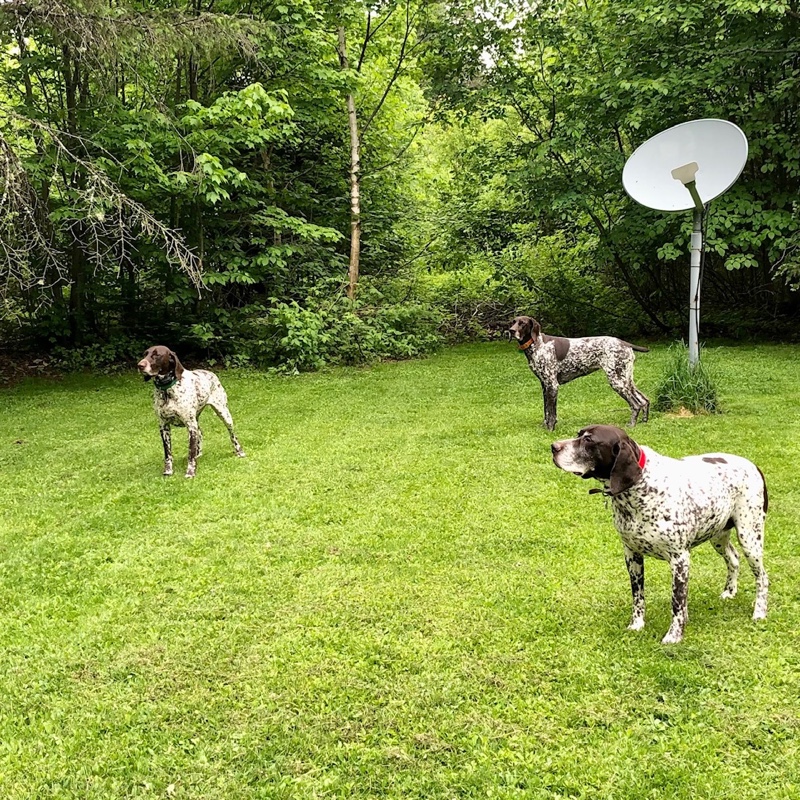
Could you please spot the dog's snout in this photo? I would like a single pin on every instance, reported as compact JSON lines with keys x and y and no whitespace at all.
{"x":142,"y":365}
{"x":557,"y":447}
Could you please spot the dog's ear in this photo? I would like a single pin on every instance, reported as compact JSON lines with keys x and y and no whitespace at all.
{"x":626,"y":470}
{"x":176,"y":364}
{"x":536,"y":328}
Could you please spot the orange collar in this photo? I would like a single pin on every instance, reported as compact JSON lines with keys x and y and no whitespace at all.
{"x":526,"y":345}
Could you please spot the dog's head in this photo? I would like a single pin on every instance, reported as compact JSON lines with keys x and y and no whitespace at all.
{"x":160,"y":361}
{"x":524,"y":329}
{"x":603,"y":452}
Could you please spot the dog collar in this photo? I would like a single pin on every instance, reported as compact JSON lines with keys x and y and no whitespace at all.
{"x":526,"y":345}
{"x":163,"y":387}
{"x":642,"y":458}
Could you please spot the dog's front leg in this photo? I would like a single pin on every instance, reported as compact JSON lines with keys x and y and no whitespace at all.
{"x":194,"y":447}
{"x":550,"y":393}
{"x":166,"y":439}
{"x":680,"y":597}
{"x":635,"y":564}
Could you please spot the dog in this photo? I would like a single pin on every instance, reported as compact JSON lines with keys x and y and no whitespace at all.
{"x":555,"y":360}
{"x":179,"y":398}
{"x":663,"y":507}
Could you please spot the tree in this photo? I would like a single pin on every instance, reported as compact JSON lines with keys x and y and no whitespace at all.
{"x":393,"y":35}
{"x":581,"y":84}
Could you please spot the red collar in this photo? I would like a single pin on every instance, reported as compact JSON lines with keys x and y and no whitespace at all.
{"x":526,"y":345}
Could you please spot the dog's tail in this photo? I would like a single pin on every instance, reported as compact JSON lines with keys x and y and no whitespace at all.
{"x":636,"y":347}
{"x":766,"y":495}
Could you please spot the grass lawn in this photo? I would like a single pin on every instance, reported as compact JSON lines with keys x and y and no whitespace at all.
{"x":396,"y":594}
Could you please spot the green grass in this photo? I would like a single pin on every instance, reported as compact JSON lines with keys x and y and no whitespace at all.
{"x":395,"y":595}
{"x":685,"y":387}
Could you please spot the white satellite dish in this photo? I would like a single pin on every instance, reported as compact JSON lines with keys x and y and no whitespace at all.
{"x":682,"y":168}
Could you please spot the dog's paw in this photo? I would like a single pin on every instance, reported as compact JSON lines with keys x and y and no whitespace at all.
{"x":672,"y":637}
{"x":636,"y":624}
{"x":728,"y":594}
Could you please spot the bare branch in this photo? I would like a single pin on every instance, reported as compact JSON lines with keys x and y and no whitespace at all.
{"x":106,"y":222}
{"x":397,"y":69}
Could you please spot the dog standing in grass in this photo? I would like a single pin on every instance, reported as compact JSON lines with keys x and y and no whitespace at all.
{"x":179,"y":398}
{"x":663,"y":507}
{"x":555,"y":360}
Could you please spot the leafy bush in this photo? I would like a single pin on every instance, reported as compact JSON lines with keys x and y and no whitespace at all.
{"x":116,"y":353}
{"x":474,"y":302}
{"x":298,"y":338}
{"x":555,"y":280}
{"x":567,"y":288}
{"x":682,"y":386}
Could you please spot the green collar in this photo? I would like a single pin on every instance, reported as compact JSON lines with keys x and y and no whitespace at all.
{"x":165,"y":386}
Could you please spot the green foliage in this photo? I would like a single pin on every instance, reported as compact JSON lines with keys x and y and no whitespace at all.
{"x":492,"y":145}
{"x":108,"y":356}
{"x":230,"y":131}
{"x":298,"y":338}
{"x":472,"y":300}
{"x":549,"y":278}
{"x":684,"y":387}
{"x":570,"y":89}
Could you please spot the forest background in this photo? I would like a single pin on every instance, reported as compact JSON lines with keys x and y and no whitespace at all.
{"x":291,"y":184}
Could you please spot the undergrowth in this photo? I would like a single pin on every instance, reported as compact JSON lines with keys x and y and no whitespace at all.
{"x":685,"y":387}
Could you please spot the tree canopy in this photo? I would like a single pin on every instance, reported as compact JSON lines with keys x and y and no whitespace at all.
{"x":187,"y":171}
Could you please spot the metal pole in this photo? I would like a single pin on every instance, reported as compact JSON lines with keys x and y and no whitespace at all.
{"x":694,"y":288}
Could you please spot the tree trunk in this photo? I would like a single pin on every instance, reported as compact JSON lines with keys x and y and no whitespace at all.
{"x":355,"y":180}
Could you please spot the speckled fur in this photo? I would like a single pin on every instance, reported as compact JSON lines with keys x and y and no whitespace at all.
{"x":671,"y":506}
{"x":182,"y":403}
{"x":555,"y":360}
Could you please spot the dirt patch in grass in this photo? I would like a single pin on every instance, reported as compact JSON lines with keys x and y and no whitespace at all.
{"x":681,"y":413}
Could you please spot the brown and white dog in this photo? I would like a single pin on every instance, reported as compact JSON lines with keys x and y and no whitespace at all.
{"x":663,"y":507}
{"x":179,"y":398}
{"x":555,"y":360}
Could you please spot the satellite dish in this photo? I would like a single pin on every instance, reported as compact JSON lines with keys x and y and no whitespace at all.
{"x":685,"y":167}
{"x":717,"y":147}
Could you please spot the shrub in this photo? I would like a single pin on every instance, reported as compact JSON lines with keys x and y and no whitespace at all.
{"x":682,"y":386}
{"x":562,"y":284}
{"x":298,"y":338}
{"x":116,"y":353}
{"x":473,"y":301}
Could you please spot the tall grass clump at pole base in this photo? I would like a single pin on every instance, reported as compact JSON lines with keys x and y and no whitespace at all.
{"x":683,"y":387}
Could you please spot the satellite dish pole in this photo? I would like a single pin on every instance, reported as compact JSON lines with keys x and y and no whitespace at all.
{"x":685,"y":175}
{"x":662,"y":174}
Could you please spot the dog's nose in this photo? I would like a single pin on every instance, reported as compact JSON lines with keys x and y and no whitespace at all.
{"x":556,"y":447}
{"x":141,"y":365}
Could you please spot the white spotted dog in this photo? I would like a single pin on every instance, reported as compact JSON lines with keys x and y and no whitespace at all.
{"x":180,"y":397}
{"x":663,"y":507}
{"x":555,"y":360}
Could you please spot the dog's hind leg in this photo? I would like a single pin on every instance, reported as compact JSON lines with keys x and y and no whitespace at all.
{"x":722,"y":544}
{"x":750,"y":533}
{"x":219,"y":402}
